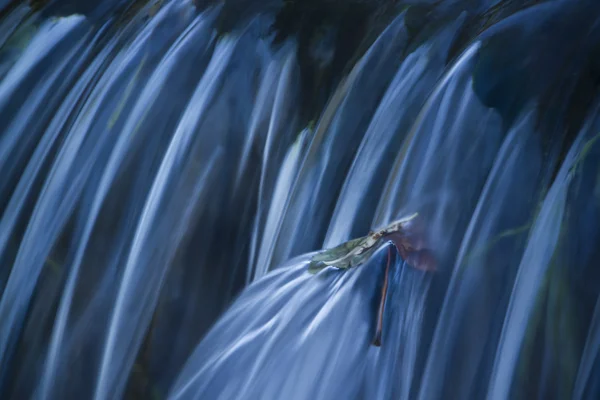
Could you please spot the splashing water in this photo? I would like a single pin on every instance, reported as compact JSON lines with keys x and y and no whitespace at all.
{"x":164,"y":191}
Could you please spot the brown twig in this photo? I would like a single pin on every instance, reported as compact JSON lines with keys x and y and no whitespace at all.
{"x":378,"y":332}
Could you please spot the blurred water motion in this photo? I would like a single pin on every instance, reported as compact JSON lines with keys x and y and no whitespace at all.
{"x":170,"y":167}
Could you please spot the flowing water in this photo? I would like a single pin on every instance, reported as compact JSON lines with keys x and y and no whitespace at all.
{"x":163,"y":192}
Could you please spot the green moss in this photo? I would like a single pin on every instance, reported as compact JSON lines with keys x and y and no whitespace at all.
{"x":552,"y":324}
{"x":482,"y":250}
{"x":587,"y":147}
{"x":140,"y":384}
{"x":126,"y":95}
{"x":54,"y":266}
{"x":21,"y":36}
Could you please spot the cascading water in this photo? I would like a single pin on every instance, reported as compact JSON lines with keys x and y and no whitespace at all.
{"x":171,"y":168}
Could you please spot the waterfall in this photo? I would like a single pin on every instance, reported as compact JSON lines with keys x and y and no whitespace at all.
{"x":171,"y":167}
